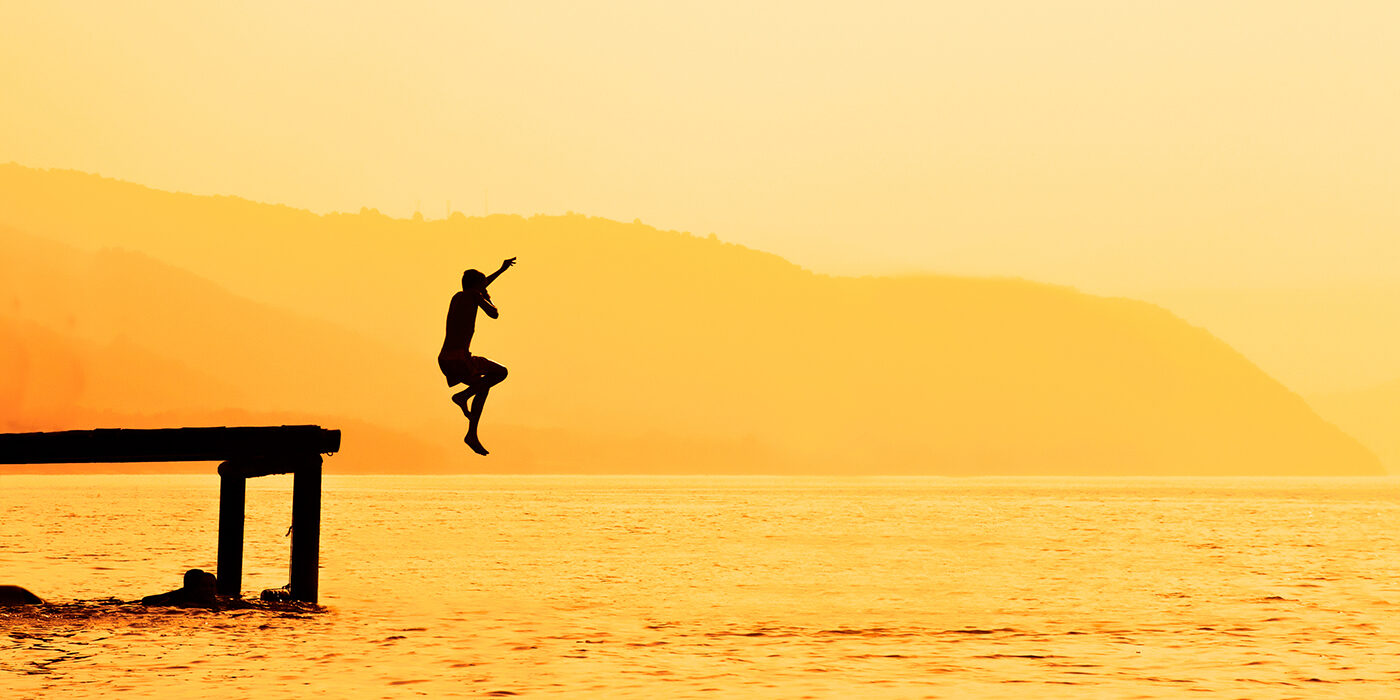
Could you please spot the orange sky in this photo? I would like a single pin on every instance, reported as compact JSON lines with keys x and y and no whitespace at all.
{"x":1117,"y":146}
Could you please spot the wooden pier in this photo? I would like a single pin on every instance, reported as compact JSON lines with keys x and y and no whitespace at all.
{"x":245,"y":453}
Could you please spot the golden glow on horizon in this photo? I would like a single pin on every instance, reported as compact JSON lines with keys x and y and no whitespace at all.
{"x":1225,"y":160}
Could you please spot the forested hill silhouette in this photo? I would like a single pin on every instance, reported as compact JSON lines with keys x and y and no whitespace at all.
{"x":646,"y":351}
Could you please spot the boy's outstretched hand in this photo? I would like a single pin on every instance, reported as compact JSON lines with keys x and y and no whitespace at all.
{"x":507,"y":263}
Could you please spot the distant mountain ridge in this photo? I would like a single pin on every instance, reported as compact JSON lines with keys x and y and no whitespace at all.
{"x":646,"y":351}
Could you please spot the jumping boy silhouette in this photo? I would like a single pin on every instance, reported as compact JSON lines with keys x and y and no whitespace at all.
{"x":456,"y":361}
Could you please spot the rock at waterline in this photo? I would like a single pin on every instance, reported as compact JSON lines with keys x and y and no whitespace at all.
{"x":16,"y":595}
{"x":277,"y":595}
{"x":200,"y":591}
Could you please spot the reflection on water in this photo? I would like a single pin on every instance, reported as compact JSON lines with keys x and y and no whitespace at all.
{"x":686,"y":587}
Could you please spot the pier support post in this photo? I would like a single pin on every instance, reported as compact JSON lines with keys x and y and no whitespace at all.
{"x":306,"y":531}
{"x":232,"y":494}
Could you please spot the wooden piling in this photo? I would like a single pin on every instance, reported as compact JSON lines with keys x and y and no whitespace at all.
{"x":306,"y":531}
{"x":233,"y":489}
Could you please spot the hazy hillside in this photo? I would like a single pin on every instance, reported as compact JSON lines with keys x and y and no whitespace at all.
{"x":117,"y":339}
{"x":633,"y":349}
{"x":1370,"y":415}
{"x":1315,"y":340}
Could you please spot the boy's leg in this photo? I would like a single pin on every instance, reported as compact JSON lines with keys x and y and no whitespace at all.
{"x":492,"y":375}
{"x":474,"y":417}
{"x":482,"y":374}
{"x":462,"y":399}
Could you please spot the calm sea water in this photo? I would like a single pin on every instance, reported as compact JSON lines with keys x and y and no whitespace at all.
{"x":722,"y":587}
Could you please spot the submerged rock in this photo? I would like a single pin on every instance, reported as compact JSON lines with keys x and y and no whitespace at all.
{"x":277,"y":595}
{"x":200,"y":591}
{"x":16,"y":595}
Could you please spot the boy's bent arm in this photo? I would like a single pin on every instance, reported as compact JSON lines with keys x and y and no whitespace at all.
{"x":485,"y":303}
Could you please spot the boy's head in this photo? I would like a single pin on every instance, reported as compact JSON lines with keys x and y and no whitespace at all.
{"x":472,"y":279}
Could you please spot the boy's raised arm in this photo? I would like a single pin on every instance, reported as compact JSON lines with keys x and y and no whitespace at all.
{"x":505,"y":265}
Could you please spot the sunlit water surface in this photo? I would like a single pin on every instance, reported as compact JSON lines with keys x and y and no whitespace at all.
{"x":721,"y":587}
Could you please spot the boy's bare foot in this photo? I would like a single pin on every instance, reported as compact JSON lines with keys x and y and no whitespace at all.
{"x":475,"y":444}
